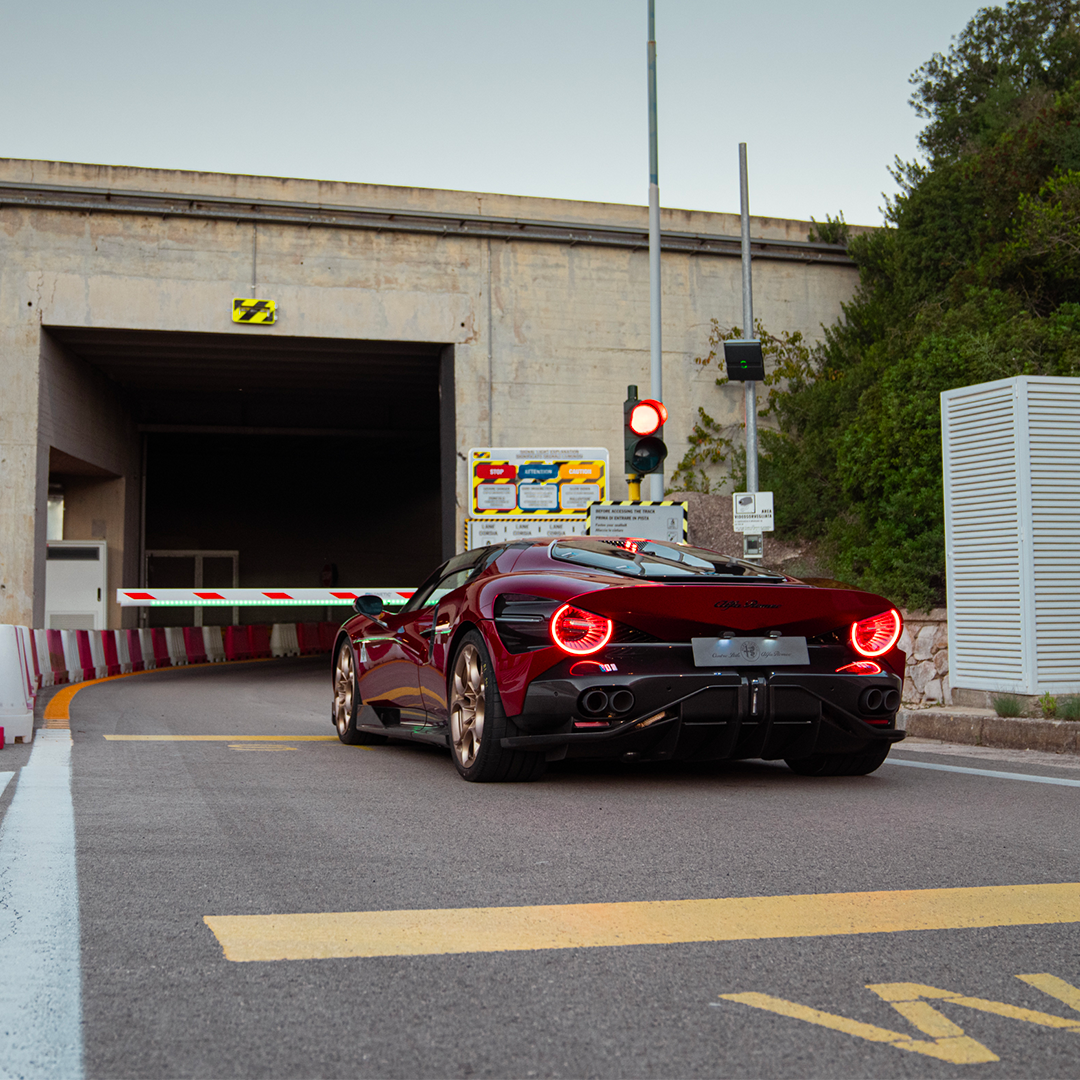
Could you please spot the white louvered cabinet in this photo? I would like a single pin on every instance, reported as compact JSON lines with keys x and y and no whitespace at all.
{"x":1012,"y":534}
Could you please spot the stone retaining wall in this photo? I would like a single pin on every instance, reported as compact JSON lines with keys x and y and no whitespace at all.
{"x":926,"y":642}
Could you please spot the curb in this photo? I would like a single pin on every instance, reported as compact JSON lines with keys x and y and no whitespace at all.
{"x":979,"y":727}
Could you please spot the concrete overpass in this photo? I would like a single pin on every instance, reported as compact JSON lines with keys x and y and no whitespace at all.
{"x":412,"y":324}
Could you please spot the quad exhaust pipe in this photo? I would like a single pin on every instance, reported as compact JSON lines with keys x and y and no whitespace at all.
{"x":598,"y":702}
{"x":879,"y":701}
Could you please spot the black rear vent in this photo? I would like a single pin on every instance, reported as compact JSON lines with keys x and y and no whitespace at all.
{"x":522,"y":621}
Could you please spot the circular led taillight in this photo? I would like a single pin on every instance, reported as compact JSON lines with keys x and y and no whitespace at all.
{"x":878,"y":634}
{"x":580,"y":632}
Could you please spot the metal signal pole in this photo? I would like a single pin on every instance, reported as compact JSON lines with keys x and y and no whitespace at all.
{"x":656,"y":482}
{"x":748,"y":325}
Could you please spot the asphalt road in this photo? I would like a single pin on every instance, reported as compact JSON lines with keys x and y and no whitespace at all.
{"x":169,"y":832}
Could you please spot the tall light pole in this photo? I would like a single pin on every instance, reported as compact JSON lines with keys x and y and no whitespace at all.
{"x":656,"y":482}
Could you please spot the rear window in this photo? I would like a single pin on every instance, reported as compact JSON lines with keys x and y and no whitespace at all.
{"x":656,"y":560}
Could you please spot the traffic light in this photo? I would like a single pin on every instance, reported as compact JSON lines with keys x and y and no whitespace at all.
{"x":745,"y":361}
{"x":642,"y":420}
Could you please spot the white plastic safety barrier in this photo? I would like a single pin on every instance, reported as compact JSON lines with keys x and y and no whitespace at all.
{"x":213,"y":644}
{"x":71,"y":655}
{"x":33,"y":672}
{"x":123,"y":653}
{"x":97,"y":651}
{"x":41,"y":640}
{"x":16,"y":689}
{"x":146,"y":643}
{"x":174,"y":637}
{"x":283,"y":640}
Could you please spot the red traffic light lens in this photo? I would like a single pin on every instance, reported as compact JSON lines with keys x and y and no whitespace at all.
{"x":647,"y":416}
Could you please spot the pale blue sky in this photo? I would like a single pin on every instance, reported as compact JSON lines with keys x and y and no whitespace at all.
{"x":546,"y":97}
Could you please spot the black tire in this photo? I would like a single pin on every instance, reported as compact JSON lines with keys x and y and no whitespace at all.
{"x":865,"y":761}
{"x":477,"y":722}
{"x":346,"y":704}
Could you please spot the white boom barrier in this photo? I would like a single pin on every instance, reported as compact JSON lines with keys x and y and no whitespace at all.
{"x":255,"y":597}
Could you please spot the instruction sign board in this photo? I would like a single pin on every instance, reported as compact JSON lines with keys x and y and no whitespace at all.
{"x":536,"y":482}
{"x":752,"y":512}
{"x":640,"y":519}
{"x":480,"y":532}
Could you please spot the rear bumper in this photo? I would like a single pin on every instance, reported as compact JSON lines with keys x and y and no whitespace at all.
{"x":702,"y":715}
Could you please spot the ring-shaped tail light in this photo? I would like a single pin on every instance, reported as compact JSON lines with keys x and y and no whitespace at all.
{"x":878,"y":634}
{"x":580,"y":632}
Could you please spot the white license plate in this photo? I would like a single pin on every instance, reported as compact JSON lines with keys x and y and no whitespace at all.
{"x":750,"y":651}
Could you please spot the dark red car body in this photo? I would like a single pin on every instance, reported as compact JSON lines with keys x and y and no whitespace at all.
{"x":681,"y":710}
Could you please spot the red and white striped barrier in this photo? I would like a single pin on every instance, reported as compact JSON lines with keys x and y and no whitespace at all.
{"x":33,"y":659}
{"x":255,"y":597}
{"x":17,"y":685}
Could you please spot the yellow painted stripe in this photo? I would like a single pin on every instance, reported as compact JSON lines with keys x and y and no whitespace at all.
{"x":658,"y":922}
{"x":221,"y":738}
{"x":57,"y":711}
{"x":958,"y":1049}
{"x":1055,"y":987}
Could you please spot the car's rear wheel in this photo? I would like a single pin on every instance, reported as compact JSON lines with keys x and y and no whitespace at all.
{"x":347,"y":701}
{"x":478,"y":723}
{"x":865,"y":761}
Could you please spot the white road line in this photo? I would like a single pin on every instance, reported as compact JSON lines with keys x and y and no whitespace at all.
{"x":986,"y":772}
{"x":40,"y":980}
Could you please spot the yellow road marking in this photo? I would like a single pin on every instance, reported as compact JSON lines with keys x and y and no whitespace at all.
{"x":957,"y":1049}
{"x":57,"y":711}
{"x":1054,"y":987}
{"x":904,"y":994}
{"x":221,"y":738}
{"x":657,"y":922}
{"x":949,"y":1041}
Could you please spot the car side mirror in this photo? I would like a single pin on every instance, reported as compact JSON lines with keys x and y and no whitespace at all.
{"x":369,"y":605}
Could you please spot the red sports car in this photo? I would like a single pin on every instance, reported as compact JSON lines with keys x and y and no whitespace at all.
{"x":538,"y":650}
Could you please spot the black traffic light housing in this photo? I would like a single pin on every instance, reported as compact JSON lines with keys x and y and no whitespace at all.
{"x":745,"y":362}
{"x":644,"y":449}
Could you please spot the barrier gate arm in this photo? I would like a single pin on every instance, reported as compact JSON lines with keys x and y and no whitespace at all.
{"x":255,"y":597}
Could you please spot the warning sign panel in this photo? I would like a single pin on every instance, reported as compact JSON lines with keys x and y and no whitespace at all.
{"x":262,"y":312}
{"x":536,"y":482}
{"x":642,"y":520}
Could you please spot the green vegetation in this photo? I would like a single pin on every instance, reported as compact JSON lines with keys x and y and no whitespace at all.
{"x":1048,"y":704}
{"x":1007,"y":705}
{"x":976,"y":276}
{"x":1069,"y":708}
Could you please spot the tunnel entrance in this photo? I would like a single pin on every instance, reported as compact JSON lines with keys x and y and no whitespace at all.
{"x":317,"y":461}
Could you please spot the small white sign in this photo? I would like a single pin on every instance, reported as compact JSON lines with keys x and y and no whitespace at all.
{"x":538,"y":496}
{"x":644,"y":520}
{"x":496,"y":496}
{"x":752,"y":512}
{"x":578,"y":496}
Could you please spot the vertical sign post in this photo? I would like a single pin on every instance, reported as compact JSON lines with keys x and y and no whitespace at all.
{"x":753,"y":544}
{"x":656,"y":387}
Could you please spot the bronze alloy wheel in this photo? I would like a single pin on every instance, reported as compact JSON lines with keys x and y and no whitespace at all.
{"x":344,"y":688}
{"x":468,"y":703}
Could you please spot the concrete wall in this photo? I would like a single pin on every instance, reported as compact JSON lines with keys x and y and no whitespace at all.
{"x":546,"y":336}
{"x":88,"y":441}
